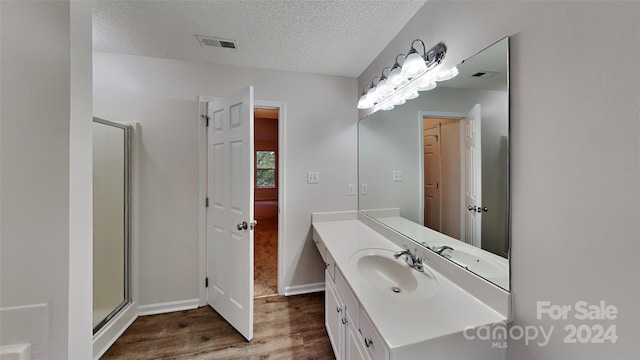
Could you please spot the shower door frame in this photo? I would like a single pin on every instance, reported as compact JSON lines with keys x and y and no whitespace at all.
{"x":127,"y":222}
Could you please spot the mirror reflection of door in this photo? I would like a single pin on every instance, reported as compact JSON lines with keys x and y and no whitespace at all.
{"x":473,"y":178}
{"x":442,"y":175}
{"x":432,"y":163}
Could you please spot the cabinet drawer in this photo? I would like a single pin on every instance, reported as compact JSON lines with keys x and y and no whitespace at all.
{"x":348,"y":299}
{"x":373,"y":341}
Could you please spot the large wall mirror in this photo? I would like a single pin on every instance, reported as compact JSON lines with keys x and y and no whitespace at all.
{"x":436,"y":168}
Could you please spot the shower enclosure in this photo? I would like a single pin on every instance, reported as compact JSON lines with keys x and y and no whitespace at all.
{"x":111,"y":220}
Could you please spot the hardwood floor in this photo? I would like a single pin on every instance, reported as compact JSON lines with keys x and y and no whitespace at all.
{"x":266,"y":258}
{"x":284,"y":328}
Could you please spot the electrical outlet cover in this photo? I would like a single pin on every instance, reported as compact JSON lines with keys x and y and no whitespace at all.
{"x":398,"y":175}
{"x":313,"y":177}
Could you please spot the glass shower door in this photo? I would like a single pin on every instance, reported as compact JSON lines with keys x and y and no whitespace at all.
{"x":110,"y":220}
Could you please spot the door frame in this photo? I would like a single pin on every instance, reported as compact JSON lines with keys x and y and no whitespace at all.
{"x":202,"y":190}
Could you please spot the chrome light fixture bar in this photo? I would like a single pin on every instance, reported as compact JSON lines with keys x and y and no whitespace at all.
{"x":403,"y":82}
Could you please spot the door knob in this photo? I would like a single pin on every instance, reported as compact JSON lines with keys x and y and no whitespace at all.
{"x":477,"y":209}
{"x":243,"y":226}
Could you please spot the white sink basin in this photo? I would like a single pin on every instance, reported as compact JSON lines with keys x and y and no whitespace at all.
{"x":393,"y":276}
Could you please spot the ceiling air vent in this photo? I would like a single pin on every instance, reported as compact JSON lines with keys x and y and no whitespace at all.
{"x":217,"y":42}
{"x":485,"y":74}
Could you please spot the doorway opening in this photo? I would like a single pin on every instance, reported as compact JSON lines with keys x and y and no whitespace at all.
{"x":266,"y":205}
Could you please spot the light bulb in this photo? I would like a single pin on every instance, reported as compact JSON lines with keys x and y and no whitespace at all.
{"x":386,"y":106}
{"x":447,"y":74}
{"x":371,"y":95}
{"x":409,"y":92}
{"x":383,"y":88}
{"x":413,"y":66}
{"x":363,"y":103}
{"x":395,"y":78}
{"x":426,"y":84}
{"x":396,"y":99}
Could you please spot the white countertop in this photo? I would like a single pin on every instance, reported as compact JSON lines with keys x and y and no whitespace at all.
{"x":405,"y":320}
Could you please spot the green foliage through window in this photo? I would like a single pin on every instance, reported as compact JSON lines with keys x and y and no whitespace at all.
{"x":265,"y":168}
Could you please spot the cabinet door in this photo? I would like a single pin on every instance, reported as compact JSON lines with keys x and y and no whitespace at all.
{"x":333,"y":316}
{"x":371,"y":339}
{"x":354,"y":346}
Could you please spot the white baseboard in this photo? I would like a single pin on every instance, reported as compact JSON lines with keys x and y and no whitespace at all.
{"x":303,"y":289}
{"x":172,"y":306}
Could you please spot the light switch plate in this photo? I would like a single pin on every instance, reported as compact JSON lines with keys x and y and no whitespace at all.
{"x":364,"y":189}
{"x":351,"y":189}
{"x":398,"y":175}
{"x":313,"y":177}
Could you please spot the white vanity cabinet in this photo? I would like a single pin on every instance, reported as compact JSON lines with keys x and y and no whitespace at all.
{"x":351,"y":332}
{"x":334,"y":318}
{"x":371,"y":339}
{"x":367,"y":320}
{"x":354,"y":348}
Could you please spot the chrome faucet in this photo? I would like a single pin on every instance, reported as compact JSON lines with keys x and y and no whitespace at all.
{"x":411,"y":259}
{"x":440,"y":249}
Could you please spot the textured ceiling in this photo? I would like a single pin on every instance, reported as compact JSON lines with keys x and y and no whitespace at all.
{"x":324,"y":37}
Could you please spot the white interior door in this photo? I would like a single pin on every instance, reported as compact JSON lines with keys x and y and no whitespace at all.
{"x":473,"y":177}
{"x":230,"y":219}
{"x":432,"y":172}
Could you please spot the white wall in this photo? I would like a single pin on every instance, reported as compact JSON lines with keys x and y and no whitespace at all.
{"x":389,"y":141}
{"x":80,"y":182}
{"x":162,"y":95}
{"x":42,"y":219}
{"x":575,"y":145}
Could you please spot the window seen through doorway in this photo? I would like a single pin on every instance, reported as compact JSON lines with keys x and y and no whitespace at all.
{"x":265,"y":169}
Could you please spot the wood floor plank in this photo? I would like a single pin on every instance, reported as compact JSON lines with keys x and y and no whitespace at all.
{"x":284,"y":328}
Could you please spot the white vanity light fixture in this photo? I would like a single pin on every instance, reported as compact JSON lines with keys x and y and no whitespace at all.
{"x":384,"y":88}
{"x":415,"y":64}
{"x":367,"y":99}
{"x":395,"y":78}
{"x":403,"y":82}
{"x":410,"y":92}
{"x":447,"y":74}
{"x":362,"y":102}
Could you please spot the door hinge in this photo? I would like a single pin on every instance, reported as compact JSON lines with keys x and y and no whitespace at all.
{"x":206,"y":202}
{"x":206,"y":282}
